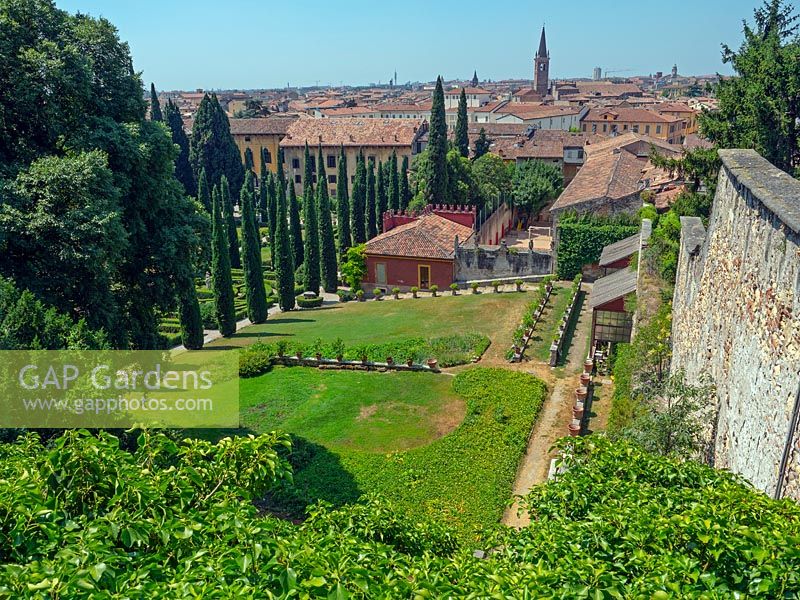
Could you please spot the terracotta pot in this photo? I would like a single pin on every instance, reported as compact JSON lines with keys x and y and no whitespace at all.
{"x":299,"y":355}
{"x":389,"y":360}
{"x":585,"y":379}
{"x":588,"y":365}
{"x":364,"y":359}
{"x":433,"y":363}
{"x":409,"y":362}
{"x":581,"y":393}
{"x":318,"y":356}
{"x":339,"y":357}
{"x":574,"y":428}
{"x":577,"y":410}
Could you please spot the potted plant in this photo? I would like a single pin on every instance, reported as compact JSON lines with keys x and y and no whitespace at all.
{"x":364,"y":358}
{"x":409,"y":362}
{"x":434,"y":288}
{"x":496,"y":286}
{"x":474,"y":286}
{"x":433,"y":363}
{"x":454,"y":288}
{"x":548,"y":283}
{"x":360,"y":295}
{"x":389,"y":361}
{"x":396,"y":292}
{"x":338,"y":349}
{"x":414,"y":291}
{"x":378,"y":293}
{"x":280,"y":348}
{"x":519,"y":283}
{"x":299,"y":354}
{"x":318,"y":349}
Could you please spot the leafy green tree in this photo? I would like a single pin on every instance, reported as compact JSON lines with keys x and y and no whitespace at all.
{"x":183,"y":170}
{"x":760,"y":107}
{"x":230,"y":224}
{"x":436,"y":185}
{"x":222,"y":281}
{"x":327,"y":243}
{"x":405,"y":192}
{"x":359,"y":207}
{"x":535,"y":184}
{"x":354,"y":268}
{"x":311,"y":244}
{"x":255,"y":292}
{"x":284,"y":265}
{"x":482,"y":144}
{"x":342,"y":206}
{"x":495,"y":179}
{"x":462,"y":135}
{"x":295,"y":227}
{"x":155,"y":106}
{"x":212,"y":147}
{"x":393,"y":189}
{"x":381,"y":198}
{"x":376,"y":195}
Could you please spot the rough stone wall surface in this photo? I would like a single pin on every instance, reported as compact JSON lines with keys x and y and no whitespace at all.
{"x":498,"y":262}
{"x":736,"y":317}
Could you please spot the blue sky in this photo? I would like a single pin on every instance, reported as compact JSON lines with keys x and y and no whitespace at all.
{"x":181,"y":44}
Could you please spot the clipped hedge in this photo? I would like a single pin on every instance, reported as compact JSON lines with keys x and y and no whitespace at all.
{"x":581,"y":240}
{"x":308,"y":302}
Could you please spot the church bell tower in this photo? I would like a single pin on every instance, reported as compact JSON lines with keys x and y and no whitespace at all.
{"x":541,"y":68}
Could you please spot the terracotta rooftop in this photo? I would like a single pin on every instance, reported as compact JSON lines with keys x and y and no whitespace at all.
{"x":353,"y":132}
{"x":467,"y":90}
{"x":430,"y":236}
{"x":627,"y":115}
{"x":527,"y":111}
{"x":347,"y":111}
{"x":262,"y":126}
{"x":540,"y":143}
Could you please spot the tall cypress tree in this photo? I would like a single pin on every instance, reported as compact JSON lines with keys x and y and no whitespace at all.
{"x":262,"y":192}
{"x":327,"y":244}
{"x":394,"y":183}
{"x":359,"y":205}
{"x":212,"y":146}
{"x":272,"y":215}
{"x":342,"y":207}
{"x":372,"y":198}
{"x":462,"y":139}
{"x":230,"y":223}
{"x":311,"y":271}
{"x":295,"y":227}
{"x":284,"y":266}
{"x":482,"y":145}
{"x":183,"y":170}
{"x":381,"y":203}
{"x":189,"y":314}
{"x":249,"y":165}
{"x":255,"y":292}
{"x":155,"y":107}
{"x":222,"y":281}
{"x":203,"y":194}
{"x":405,"y":191}
{"x":436,"y":188}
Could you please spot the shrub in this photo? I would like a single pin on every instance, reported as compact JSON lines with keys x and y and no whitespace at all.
{"x":414,"y":291}
{"x":255,"y":360}
{"x":474,"y":286}
{"x":454,"y":288}
{"x":434,"y":288}
{"x":208,"y":315}
{"x":496,"y":286}
{"x":360,"y":295}
{"x":378,"y":293}
{"x":345,"y":295}
{"x":519,"y":283}
{"x":396,"y":292}
{"x":303,"y":302}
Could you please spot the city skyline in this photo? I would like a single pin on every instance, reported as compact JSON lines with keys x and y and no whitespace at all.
{"x":360,"y":45}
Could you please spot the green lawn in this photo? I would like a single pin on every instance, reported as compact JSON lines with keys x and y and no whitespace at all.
{"x":494,"y":315}
{"x":547,"y":327}
{"x":374,"y":412}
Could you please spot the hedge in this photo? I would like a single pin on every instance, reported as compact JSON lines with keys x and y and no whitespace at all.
{"x":303,"y":302}
{"x":581,"y":240}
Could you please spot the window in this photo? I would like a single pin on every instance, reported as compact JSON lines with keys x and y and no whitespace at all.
{"x":584,"y":126}
{"x":247,"y":138}
{"x":331,"y":178}
{"x":331,"y":161}
{"x":267,"y":156}
{"x":371,"y":158}
{"x":594,"y":127}
{"x":672,"y":128}
{"x":313,"y":162}
{"x":605,"y":127}
{"x":296,"y":163}
{"x":625,"y":127}
{"x":658,"y":129}
{"x":580,"y":153}
{"x":635,"y":128}
{"x":647,"y":129}
{"x":612,"y":326}
{"x":298,"y":179}
{"x":380,"y":273}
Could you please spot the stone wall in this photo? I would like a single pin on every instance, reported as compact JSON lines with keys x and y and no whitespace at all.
{"x":736,"y":317}
{"x":497,"y":262}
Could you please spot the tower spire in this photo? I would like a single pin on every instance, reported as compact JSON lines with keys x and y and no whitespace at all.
{"x":542,"y":53}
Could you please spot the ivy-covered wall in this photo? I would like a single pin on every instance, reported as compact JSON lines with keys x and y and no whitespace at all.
{"x":581,"y":240}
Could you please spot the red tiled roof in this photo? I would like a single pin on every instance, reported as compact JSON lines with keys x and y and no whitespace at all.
{"x":352,"y":132}
{"x":262,"y":126}
{"x":619,"y":114}
{"x":430,"y":236}
{"x":467,"y":90}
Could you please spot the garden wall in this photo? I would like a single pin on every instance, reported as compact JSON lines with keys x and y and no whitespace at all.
{"x":736,"y":316}
{"x":498,"y":262}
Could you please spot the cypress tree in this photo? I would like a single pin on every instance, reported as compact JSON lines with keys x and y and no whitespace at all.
{"x":203,"y":195}
{"x":373,"y":192}
{"x":183,"y":170}
{"x":482,"y":145}
{"x":284,"y":267}
{"x":189,"y":313}
{"x":230,"y":223}
{"x":311,"y":274}
{"x":342,"y":207}
{"x":251,"y":250}
{"x":436,"y":189}
{"x":262,"y":192}
{"x":272,"y":215}
{"x":155,"y":107}
{"x":462,"y":139}
{"x":222,"y":282}
{"x":212,"y":146}
{"x":359,"y":206}
{"x":405,"y":191}
{"x":249,"y":165}
{"x":381,"y":202}
{"x":327,"y":244}
{"x":295,"y":227}
{"x":394,"y":183}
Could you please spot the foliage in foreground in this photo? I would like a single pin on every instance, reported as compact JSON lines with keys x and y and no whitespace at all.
{"x":86,"y":519}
